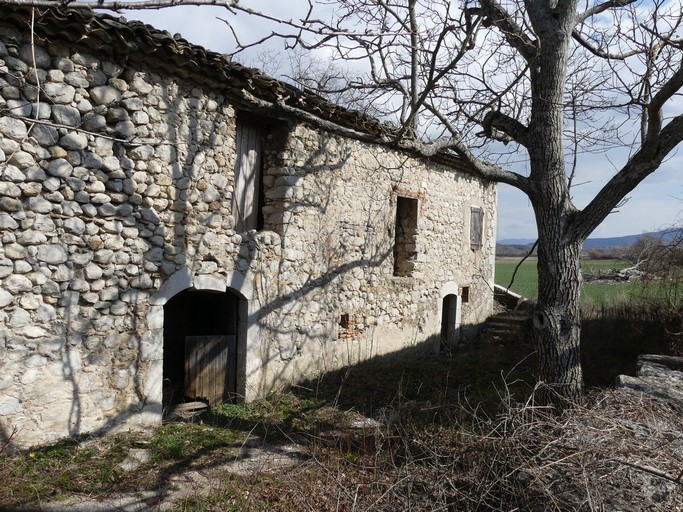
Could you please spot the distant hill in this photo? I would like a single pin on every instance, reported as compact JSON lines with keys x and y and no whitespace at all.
{"x":593,"y":243}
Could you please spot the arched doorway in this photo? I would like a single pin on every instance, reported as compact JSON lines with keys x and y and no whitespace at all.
{"x":449,"y":323}
{"x":201,"y":329}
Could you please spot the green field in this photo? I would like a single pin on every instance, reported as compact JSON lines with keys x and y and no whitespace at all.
{"x":526,"y":280}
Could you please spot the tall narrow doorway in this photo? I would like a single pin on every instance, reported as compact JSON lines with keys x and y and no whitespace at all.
{"x":449,"y":331}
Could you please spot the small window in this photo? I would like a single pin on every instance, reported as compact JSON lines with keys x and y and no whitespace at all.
{"x":345,"y":321}
{"x":465,"y":294}
{"x":476,"y":228}
{"x":405,"y":236}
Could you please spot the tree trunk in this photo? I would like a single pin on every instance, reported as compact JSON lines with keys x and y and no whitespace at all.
{"x":557,"y":323}
{"x":556,"y":317}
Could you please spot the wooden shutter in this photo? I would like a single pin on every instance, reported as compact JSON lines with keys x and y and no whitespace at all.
{"x":245,"y":203}
{"x":476,"y":228}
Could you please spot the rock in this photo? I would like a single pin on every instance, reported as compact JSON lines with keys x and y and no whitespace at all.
{"x":9,"y":189}
{"x":74,"y":225}
{"x":13,"y":128}
{"x":10,"y":205}
{"x":140,"y":86}
{"x":33,"y":331}
{"x":125,"y":129}
{"x":141,"y":153}
{"x":6,"y":298}
{"x":659,"y":376}
{"x":133,"y":104}
{"x":41,"y":110}
{"x":20,"y":107}
{"x":22,"y":159}
{"x":10,"y":405}
{"x":7,"y":222}
{"x":74,"y":141}
{"x":60,"y":168}
{"x":37,"y":54}
{"x":105,"y":95}
{"x":12,"y":173}
{"x":45,"y":135}
{"x":94,"y":123}
{"x":15,"y":252}
{"x":53,"y":254}
{"x":66,"y":115}
{"x":76,"y":79}
{"x":59,"y":93}
{"x":96,"y":77}
{"x":135,"y":458}
{"x":18,"y":284}
{"x":116,"y":115}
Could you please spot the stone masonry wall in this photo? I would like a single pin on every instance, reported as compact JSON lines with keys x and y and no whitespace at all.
{"x":95,"y":223}
{"x":91,"y":227}
{"x":332,"y":201}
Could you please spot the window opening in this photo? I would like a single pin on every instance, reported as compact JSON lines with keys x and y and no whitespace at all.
{"x":405,"y":236}
{"x":465,"y":294}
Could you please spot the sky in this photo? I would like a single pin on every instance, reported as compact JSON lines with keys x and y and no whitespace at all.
{"x":657,"y":203}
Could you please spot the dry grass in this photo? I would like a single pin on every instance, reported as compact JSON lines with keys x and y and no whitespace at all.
{"x":433,"y":444}
{"x":621,"y":451}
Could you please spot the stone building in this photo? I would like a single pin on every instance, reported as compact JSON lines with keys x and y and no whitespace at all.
{"x":177,"y":226}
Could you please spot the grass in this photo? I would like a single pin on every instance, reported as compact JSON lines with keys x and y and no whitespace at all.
{"x":526,"y":280}
{"x":429,"y":391}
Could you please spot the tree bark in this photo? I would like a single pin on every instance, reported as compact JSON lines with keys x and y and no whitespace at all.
{"x":557,"y":316}
{"x":556,"y":320}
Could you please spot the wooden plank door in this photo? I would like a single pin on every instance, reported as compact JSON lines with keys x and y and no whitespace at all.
{"x":210,"y":367}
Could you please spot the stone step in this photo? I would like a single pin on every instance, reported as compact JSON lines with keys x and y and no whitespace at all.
{"x":504,"y":327}
{"x":507,"y":322}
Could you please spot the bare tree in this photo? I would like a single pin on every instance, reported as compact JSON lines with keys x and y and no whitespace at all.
{"x":520,"y":90}
{"x":308,"y":72}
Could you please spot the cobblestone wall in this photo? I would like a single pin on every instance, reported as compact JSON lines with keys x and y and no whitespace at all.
{"x":99,"y":230}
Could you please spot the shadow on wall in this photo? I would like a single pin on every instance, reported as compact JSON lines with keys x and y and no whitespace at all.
{"x":172,"y":225}
{"x":321,"y":280}
{"x":98,"y":317}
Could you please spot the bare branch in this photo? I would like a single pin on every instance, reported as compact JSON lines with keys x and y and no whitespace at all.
{"x":598,"y":52}
{"x":495,"y":121}
{"x":597,"y":9}
{"x":495,"y":15}
{"x":640,"y":165}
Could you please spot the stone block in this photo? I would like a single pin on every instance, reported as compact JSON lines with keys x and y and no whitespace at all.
{"x":53,"y":254}
{"x":105,"y":95}
{"x":59,"y":93}
{"x":60,"y":168}
{"x":66,"y":115}
{"x":13,"y":128}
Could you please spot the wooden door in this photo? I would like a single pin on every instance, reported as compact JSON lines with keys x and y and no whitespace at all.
{"x":210,"y":367}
